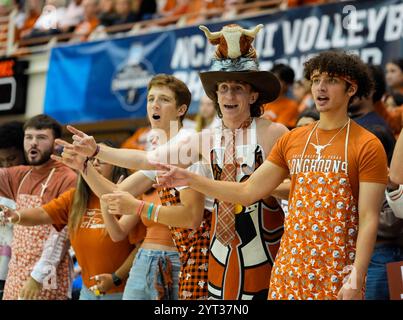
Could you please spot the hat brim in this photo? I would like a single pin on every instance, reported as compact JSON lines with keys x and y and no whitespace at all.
{"x":264,"y":82}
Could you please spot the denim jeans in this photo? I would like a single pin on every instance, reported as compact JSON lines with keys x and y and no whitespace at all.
{"x":141,"y":282}
{"x":86,"y":294}
{"x":377,"y":281}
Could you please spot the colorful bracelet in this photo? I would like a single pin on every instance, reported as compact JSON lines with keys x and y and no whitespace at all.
{"x":140,"y":208}
{"x":157,"y":211}
{"x":150,"y":210}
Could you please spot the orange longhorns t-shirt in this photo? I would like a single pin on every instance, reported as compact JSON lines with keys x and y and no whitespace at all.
{"x":366,"y":155}
{"x":95,"y":251}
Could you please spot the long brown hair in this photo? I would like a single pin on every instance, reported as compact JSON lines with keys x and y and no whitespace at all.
{"x":82,"y":194}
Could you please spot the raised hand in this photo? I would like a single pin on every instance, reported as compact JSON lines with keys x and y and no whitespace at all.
{"x":69,"y":156}
{"x":83,"y":144}
{"x":170,"y":176}
{"x":120,"y":203}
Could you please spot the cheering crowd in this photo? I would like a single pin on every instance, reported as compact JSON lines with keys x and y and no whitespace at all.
{"x":248,"y":208}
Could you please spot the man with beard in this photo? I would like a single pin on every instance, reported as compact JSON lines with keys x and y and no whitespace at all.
{"x":40,"y":265}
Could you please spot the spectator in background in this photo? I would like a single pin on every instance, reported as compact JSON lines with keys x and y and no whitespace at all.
{"x":90,"y":22}
{"x":147,"y":9}
{"x":394,"y":80}
{"x":396,"y":165}
{"x":27,"y":18}
{"x":73,"y":16}
{"x":50,"y":20}
{"x":11,"y":154}
{"x":107,"y":12}
{"x":307,"y":117}
{"x":301,"y":90}
{"x":32,"y":186}
{"x":11,"y":144}
{"x":124,"y":13}
{"x":389,"y":241}
{"x":362,"y":110}
{"x":283,"y":110}
{"x":207,"y":117}
{"x":105,"y":264}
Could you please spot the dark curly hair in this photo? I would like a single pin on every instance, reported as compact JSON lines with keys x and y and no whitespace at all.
{"x":338,"y":63}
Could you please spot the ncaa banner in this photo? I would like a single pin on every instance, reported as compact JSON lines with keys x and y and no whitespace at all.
{"x":108,"y":79}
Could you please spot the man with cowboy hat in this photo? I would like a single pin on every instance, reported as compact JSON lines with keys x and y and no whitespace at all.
{"x":244,"y":239}
{"x":338,"y":174}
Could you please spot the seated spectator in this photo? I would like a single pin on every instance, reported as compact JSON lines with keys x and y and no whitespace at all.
{"x":50,"y":20}
{"x":363,"y":111}
{"x":283,"y":110}
{"x":147,"y":9}
{"x":394,"y":80}
{"x":124,"y":13}
{"x":107,"y":13}
{"x":307,"y":117}
{"x":28,"y":18}
{"x":73,"y":16}
{"x":301,"y":91}
{"x":207,"y":117}
{"x":90,"y":22}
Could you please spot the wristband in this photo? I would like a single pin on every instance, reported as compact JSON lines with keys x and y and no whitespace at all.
{"x":96,"y":151}
{"x":19,"y":217}
{"x":140,"y":208}
{"x":150,"y":210}
{"x":157,"y":211}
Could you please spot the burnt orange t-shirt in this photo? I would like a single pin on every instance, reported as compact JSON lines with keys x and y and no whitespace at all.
{"x":282,"y":110}
{"x":95,"y":251}
{"x":366,"y":155}
{"x":156,"y":233}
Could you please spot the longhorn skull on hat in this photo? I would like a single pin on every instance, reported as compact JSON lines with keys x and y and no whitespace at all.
{"x":233,"y":41}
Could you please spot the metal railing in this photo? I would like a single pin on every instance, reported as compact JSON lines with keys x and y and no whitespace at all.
{"x":40,"y":44}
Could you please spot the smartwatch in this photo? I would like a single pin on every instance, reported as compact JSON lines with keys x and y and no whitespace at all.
{"x":116,"y":280}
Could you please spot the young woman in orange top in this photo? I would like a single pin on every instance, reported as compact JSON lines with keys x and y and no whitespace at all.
{"x":105,"y":264}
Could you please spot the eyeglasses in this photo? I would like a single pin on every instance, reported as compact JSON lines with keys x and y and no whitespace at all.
{"x":237,"y":89}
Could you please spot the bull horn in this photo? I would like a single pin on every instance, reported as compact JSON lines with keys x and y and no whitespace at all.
{"x":252,"y":33}
{"x":210,"y":35}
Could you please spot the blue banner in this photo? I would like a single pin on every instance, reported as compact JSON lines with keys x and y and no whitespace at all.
{"x":108,"y":79}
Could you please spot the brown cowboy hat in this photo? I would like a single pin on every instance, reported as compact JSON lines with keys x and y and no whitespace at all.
{"x":264,"y":82}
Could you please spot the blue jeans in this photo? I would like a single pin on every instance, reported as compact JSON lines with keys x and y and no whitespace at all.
{"x":377,"y":279}
{"x":142,"y":278}
{"x":86,"y":294}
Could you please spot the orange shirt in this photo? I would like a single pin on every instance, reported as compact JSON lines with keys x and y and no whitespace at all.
{"x":84,"y":29}
{"x":282,"y":110}
{"x":156,"y":233}
{"x":138,"y":140}
{"x":366,"y":155}
{"x":95,"y":251}
{"x":393,"y":117}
